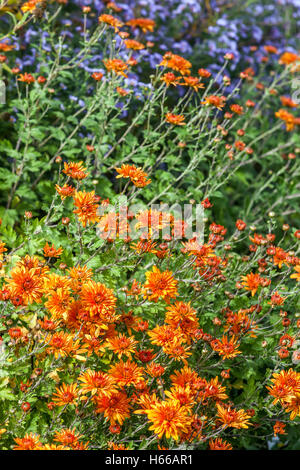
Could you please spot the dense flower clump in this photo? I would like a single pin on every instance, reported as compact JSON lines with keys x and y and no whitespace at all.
{"x":149,"y":249}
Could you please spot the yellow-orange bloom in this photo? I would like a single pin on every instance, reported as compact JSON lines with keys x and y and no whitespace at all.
{"x":183,"y":317}
{"x":216,"y":101}
{"x":75,"y":170}
{"x":137,"y":176}
{"x":251,"y":282}
{"x":160,"y":285}
{"x":296,"y":275}
{"x":133,"y":44}
{"x":62,"y":344}
{"x":86,"y":203}
{"x":288,"y":102}
{"x":169,"y":418}
{"x":58,"y":303}
{"x":115,"y":407}
{"x":176,"y":119}
{"x":26,"y":284}
{"x":287,"y":117}
{"x":65,"y":395}
{"x":219,"y":444}
{"x":144,"y":24}
{"x":29,"y":442}
{"x":288,"y":58}
{"x":122,"y":345}
{"x":99,"y":301}
{"x":67,"y":437}
{"x":193,"y":82}
{"x":6,"y":47}
{"x":111,"y":21}
{"x":126,"y":373}
{"x":116,"y":65}
{"x":98,"y":383}
{"x":51,"y":251}
{"x":227,"y":348}
{"x":232,"y":418}
{"x":170,"y":79}
{"x":177,"y":63}
{"x":30,"y":6}
{"x":64,"y":191}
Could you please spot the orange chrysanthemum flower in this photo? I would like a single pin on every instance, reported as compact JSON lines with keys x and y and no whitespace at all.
{"x":65,"y":395}
{"x":187,"y":377}
{"x":30,"y":262}
{"x":28,"y":442}
{"x":111,"y":21}
{"x":288,"y":58}
{"x":236,"y":108}
{"x":67,"y":437}
{"x":126,"y":373}
{"x":280,"y":257}
{"x":99,"y":301}
{"x":144,"y":247}
{"x":176,"y":350}
{"x":54,"y":281}
{"x":184,"y":395}
{"x":227,"y":348}
{"x":160,"y":285}
{"x":75,"y":170}
{"x":287,"y":117}
{"x":177,"y":63}
{"x":279,"y":428}
{"x":64,"y":191}
{"x":26,"y":78}
{"x":86,"y":203}
{"x":292,"y":405}
{"x":219,"y":444}
{"x":192,"y":82}
{"x":151,"y":221}
{"x":26,"y":284}
{"x":2,"y":249}
{"x":155,"y":370}
{"x":137,"y":176}
{"x":170,"y":79}
{"x":58,"y":303}
{"x":271,"y":49}
{"x":115,"y":407}
{"x":215,"y":390}
{"x":285,"y":384}
{"x":51,"y":251}
{"x":144,"y":24}
{"x":133,"y":44}
{"x":251,"y":282}
{"x":204,"y":73}
{"x":296,"y":275}
{"x":122,"y":345}
{"x":30,"y":6}
{"x":98,"y":383}
{"x":5,"y":47}
{"x":145,"y":401}
{"x":61,"y":344}
{"x":116,"y":65}
{"x":78,"y":276}
{"x":169,"y":418}
{"x":176,"y":119}
{"x":183,"y":317}
{"x":229,"y":417}
{"x":288,"y":102}
{"x":216,"y":101}
{"x":162,"y":335}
